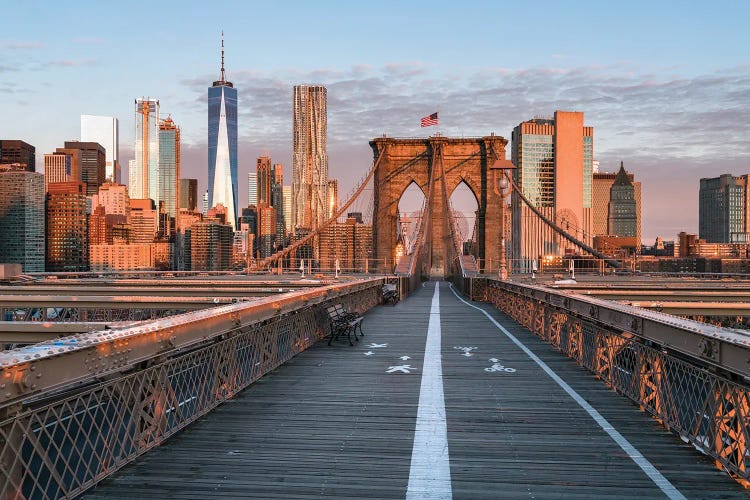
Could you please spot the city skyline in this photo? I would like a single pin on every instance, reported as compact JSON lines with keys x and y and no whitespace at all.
{"x":672,"y":103}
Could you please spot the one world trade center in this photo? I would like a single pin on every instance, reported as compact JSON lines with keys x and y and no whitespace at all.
{"x":222,"y":144}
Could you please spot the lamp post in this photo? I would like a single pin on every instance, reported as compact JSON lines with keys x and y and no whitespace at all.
{"x":501,"y":185}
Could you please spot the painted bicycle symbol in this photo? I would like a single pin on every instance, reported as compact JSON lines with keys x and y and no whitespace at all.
{"x":497,"y":367}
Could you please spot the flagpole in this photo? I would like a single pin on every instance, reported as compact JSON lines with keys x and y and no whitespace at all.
{"x":438,"y":123}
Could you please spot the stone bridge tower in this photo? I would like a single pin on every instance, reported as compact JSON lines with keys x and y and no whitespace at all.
{"x":414,"y":160}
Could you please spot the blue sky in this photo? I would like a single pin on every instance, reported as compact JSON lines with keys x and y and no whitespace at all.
{"x":666,"y":85}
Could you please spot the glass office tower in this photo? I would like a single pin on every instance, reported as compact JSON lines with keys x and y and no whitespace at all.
{"x":222,"y":144}
{"x":144,"y":177}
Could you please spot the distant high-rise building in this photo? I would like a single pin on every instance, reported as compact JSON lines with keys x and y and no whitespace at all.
{"x":349,"y":243}
{"x":287,"y":208}
{"x":723,"y":215}
{"x":144,"y":221}
{"x":67,"y":228}
{"x":265,"y":179}
{"x":210,"y":246}
{"x":204,"y":208}
{"x":58,"y":167}
{"x":623,"y":212}
{"x":333,"y":197}
{"x":554,"y":163}
{"x":310,"y":157}
{"x":169,"y":165}
{"x":189,"y":194}
{"x":600,"y":198}
{"x":252,"y":188}
{"x":114,"y":198}
{"x":91,"y":163}
{"x":266,"y":231}
{"x":19,"y":152}
{"x":106,"y":131}
{"x":222,"y":144}
{"x":250,"y":219}
{"x":22,"y":219}
{"x":277,"y":201}
{"x":144,"y":170}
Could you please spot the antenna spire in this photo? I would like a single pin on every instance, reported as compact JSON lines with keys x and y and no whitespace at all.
{"x":222,"y":56}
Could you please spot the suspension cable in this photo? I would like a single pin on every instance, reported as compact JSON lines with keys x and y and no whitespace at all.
{"x":610,"y":262}
{"x":297,"y":244}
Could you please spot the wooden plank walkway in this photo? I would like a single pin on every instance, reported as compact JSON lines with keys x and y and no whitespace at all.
{"x":334,"y":423}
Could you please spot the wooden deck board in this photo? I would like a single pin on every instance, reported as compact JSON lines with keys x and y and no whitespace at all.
{"x":332,"y":423}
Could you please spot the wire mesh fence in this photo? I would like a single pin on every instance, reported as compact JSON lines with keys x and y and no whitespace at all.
{"x":63,"y":442}
{"x":704,"y":408}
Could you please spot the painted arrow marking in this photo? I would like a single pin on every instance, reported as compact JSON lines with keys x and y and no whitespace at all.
{"x":369,"y":353}
{"x":400,"y":368}
{"x":404,"y":358}
{"x":466,"y":350}
{"x":375,"y":346}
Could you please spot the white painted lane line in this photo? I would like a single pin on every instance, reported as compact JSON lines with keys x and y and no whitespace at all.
{"x":430,"y":472}
{"x":662,"y":482}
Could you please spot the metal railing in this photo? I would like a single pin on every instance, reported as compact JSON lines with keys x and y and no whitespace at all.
{"x":692,"y":377}
{"x":75,"y":410}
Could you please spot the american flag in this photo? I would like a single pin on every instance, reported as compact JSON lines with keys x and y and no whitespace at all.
{"x":428,"y":121}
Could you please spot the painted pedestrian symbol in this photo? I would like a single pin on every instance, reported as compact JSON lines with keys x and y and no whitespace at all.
{"x":369,"y":353}
{"x":404,"y":358}
{"x":400,"y":368}
{"x":466,"y":350}
{"x":375,"y":346}
{"x":497,"y":367}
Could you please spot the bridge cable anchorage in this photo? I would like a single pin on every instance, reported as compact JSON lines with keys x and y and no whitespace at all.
{"x":610,"y":262}
{"x":273,"y":259}
{"x":647,"y":467}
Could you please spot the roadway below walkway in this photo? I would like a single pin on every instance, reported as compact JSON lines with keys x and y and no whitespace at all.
{"x":440,"y":399}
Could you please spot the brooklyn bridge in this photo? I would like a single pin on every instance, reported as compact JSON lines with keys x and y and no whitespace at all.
{"x":483,"y":377}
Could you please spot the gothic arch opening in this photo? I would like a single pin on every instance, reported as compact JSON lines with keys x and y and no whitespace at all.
{"x":410,"y":206}
{"x":464,"y":205}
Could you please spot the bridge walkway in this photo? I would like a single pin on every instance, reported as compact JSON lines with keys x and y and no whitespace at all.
{"x":339,"y":422}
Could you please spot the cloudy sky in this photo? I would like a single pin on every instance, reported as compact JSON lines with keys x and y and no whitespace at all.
{"x":666,"y":85}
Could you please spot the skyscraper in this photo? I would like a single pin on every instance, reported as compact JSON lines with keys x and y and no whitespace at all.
{"x":600,"y":198}
{"x":222,"y":144}
{"x":265,"y":179}
{"x":114,"y":198}
{"x":59,"y":167}
{"x":22,"y":219}
{"x":22,"y":153}
{"x":287,"y":208}
{"x":106,"y":131}
{"x":554,"y":161}
{"x":723,"y":215}
{"x":252,"y":188}
{"x":333,"y":197}
{"x":277,"y":201}
{"x":210,"y":246}
{"x":189,"y":194}
{"x":67,"y":228}
{"x":169,"y":165}
{"x":309,"y":157}
{"x":91,"y":162}
{"x":623,"y":213}
{"x":144,"y":171}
